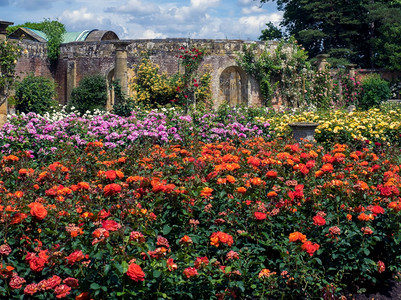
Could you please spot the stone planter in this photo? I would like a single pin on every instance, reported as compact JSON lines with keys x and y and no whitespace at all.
{"x":303,"y":130}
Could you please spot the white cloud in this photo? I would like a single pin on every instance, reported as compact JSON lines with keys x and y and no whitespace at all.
{"x":80,"y":15}
{"x":150,"y":34}
{"x":136,"y":7}
{"x":248,"y":27}
{"x":205,"y":3}
{"x":252,"y":10}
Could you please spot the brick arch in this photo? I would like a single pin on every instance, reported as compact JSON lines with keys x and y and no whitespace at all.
{"x":233,"y":86}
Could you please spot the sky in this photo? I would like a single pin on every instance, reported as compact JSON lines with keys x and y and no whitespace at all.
{"x":150,"y":19}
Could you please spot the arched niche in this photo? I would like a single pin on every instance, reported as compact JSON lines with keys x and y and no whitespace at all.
{"x":233,"y":86}
{"x":110,"y":89}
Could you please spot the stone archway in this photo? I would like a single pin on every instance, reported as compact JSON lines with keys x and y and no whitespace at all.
{"x":233,"y":86}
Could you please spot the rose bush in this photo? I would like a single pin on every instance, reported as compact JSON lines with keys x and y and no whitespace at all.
{"x":194,"y":215}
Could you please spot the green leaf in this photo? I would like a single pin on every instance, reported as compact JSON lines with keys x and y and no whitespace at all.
{"x":94,"y":286}
{"x":166,"y":229}
{"x":156,"y":273}
{"x":124,"y":264}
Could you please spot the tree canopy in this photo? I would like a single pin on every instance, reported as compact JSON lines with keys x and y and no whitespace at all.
{"x":366,"y":32}
{"x":54,"y":31}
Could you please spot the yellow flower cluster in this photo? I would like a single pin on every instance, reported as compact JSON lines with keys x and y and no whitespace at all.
{"x":373,"y":125}
{"x":147,"y":85}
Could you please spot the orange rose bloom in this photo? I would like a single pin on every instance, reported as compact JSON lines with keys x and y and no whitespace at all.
{"x":221,"y":237}
{"x":38,"y":210}
{"x":112,"y":189}
{"x":265,"y":273}
{"x":241,"y":190}
{"x":135,"y":272}
{"x":365,"y":217}
{"x":297,"y":236}
{"x":206,"y":192}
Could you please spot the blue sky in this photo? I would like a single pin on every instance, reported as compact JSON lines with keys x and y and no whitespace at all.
{"x":137,"y":19}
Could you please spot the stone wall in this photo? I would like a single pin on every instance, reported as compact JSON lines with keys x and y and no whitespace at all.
{"x":79,"y":59}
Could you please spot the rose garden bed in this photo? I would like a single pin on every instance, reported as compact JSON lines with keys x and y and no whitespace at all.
{"x":92,"y":213}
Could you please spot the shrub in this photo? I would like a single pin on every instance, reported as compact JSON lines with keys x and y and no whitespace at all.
{"x":35,"y":94}
{"x":375,"y":91}
{"x":91,"y":94}
{"x":150,"y":87}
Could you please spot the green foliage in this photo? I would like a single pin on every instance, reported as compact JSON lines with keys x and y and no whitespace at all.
{"x":32,"y":25}
{"x":271,"y":33}
{"x":90,"y":94}
{"x":364,"y":32}
{"x":191,"y":87}
{"x":387,"y":39}
{"x":281,"y":72}
{"x":150,"y":87}
{"x":351,"y":89}
{"x":35,"y":94}
{"x":9,"y":54}
{"x":375,"y":90}
{"x":54,"y":31}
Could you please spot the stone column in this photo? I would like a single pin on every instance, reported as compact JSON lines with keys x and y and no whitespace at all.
{"x":322,"y":62}
{"x":3,"y":107}
{"x":351,"y":70}
{"x":71,"y":78}
{"x":120,"y":66}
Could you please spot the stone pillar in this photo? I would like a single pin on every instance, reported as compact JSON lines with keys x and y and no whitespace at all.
{"x":351,"y":70}
{"x":71,"y":78}
{"x":120,"y":66}
{"x":3,"y":107}
{"x":322,"y":62}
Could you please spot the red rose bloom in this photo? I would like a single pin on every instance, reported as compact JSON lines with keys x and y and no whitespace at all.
{"x":62,"y":291}
{"x":201,"y":262}
{"x":111,"y":225}
{"x":111,"y":175}
{"x":112,"y":189}
{"x":260,"y":215}
{"x":319,"y":221}
{"x":71,"y":282}
{"x":16,"y":282}
{"x":52,"y":282}
{"x":5,"y":249}
{"x":135,"y":272}
{"x":31,"y":289}
{"x":190,"y":272}
{"x":74,"y":257}
{"x":310,"y":247}
{"x":37,"y":264}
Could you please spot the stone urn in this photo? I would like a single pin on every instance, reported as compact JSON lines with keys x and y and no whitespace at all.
{"x":303,"y":130}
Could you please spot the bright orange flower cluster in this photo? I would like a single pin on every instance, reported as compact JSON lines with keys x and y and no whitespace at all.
{"x":220,"y":237}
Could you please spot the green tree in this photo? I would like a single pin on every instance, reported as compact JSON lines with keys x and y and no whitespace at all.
{"x":271,"y":33}
{"x":337,"y":27}
{"x":366,"y":32}
{"x":385,"y":20}
{"x":54,"y":31}
{"x":32,"y":25}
